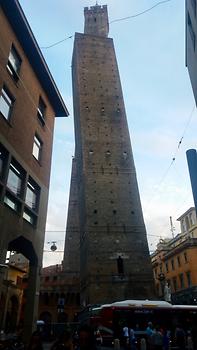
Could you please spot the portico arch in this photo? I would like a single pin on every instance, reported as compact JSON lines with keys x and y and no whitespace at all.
{"x":25,"y":247}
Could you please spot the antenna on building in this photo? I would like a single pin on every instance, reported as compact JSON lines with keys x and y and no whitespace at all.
{"x":96,"y":3}
{"x":172,"y":228}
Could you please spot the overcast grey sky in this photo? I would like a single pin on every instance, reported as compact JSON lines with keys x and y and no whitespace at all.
{"x":158,"y":98}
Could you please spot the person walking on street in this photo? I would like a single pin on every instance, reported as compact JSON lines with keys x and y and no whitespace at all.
{"x":125,"y":332}
{"x":149,"y":333}
{"x":98,"y":338}
{"x":86,"y":339}
{"x":166,"y":339}
{"x":35,"y":342}
{"x":180,"y":338}
{"x":64,"y":342}
{"x":157,"y":339}
{"x":132,"y":339}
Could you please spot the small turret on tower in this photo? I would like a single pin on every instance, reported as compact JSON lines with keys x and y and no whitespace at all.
{"x":96,"y":20}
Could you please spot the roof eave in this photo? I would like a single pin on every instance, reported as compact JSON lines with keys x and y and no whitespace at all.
{"x":20,"y":25}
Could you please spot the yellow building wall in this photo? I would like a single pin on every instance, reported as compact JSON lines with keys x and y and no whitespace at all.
{"x":188,"y":263}
{"x":193,"y":264}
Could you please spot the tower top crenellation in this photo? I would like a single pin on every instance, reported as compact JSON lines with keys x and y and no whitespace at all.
{"x":96,"y":20}
{"x":96,"y":8}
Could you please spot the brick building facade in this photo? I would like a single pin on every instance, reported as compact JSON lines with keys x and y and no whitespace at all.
{"x":29,"y":102}
{"x":59,"y":301}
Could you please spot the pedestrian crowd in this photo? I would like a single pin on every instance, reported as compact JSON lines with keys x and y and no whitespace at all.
{"x":153,"y":337}
{"x":158,"y":338}
{"x":84,"y":339}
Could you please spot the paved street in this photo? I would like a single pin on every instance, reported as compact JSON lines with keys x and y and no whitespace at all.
{"x":47,"y":346}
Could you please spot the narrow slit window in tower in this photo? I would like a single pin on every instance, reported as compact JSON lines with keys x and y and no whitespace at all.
{"x":120,"y":265}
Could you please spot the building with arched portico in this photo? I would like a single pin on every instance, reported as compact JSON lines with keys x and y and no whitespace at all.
{"x":13,"y":293}
{"x":59,"y":299}
{"x":175,"y":262}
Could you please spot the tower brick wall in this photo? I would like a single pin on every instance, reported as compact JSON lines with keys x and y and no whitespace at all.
{"x":71,"y":251}
{"x":114,"y":257}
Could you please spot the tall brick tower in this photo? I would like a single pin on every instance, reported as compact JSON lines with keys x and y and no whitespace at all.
{"x":105,"y":209}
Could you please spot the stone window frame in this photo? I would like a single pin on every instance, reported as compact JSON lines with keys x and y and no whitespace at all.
{"x":7,"y":98}
{"x":174,"y":281}
{"x":166,"y":266}
{"x":185,"y":257}
{"x":37,"y":147}
{"x":15,"y":199}
{"x":13,"y":195}
{"x":34,"y":191}
{"x":14,"y":63}
{"x":31,"y":209}
{"x":181,"y":280}
{"x":3,"y":162}
{"x":41,"y":111}
{"x":16,"y":173}
{"x":172,"y":264}
{"x":179,"y":261}
{"x":189,"y":280}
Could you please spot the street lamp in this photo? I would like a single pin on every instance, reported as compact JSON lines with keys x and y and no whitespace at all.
{"x":53,"y":247}
{"x":161,"y":278}
{"x":166,"y":290}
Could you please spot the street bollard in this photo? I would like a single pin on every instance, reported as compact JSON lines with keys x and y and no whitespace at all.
{"x":142,"y":344}
{"x":116,"y":344}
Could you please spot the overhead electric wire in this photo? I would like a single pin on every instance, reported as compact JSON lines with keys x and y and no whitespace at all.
{"x":171,"y":163}
{"x":140,"y":13}
{"x":184,"y":132}
{"x":173,"y":159}
{"x":165,"y":173}
{"x":55,"y":231}
{"x":53,"y":251}
{"x":174,"y":156}
{"x":63,"y":231}
{"x":57,"y":43}
{"x":113,"y":21}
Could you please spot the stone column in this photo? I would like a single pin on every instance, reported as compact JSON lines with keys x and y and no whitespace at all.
{"x":32,"y":298}
{"x":3,"y":308}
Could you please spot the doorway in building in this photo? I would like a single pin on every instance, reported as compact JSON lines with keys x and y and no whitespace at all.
{"x":11,"y":304}
{"x":20,"y":276}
